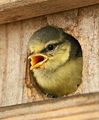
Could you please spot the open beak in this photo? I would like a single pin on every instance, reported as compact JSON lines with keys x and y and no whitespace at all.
{"x":37,"y":60}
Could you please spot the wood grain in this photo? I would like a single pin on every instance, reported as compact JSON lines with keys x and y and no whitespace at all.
{"x":24,"y":9}
{"x":14,"y":38}
{"x":81,"y":23}
{"x":83,"y":107}
{"x":4,"y":1}
{"x":3,"y":63}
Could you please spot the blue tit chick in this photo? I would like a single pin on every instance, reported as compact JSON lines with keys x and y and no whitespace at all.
{"x":56,"y":61}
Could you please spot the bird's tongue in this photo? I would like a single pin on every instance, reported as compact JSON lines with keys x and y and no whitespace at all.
{"x":37,"y":60}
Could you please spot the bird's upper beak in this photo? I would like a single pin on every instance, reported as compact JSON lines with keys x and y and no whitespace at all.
{"x":37,"y":60}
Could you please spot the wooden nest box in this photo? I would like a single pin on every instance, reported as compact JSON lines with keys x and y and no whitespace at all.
{"x":18,"y":20}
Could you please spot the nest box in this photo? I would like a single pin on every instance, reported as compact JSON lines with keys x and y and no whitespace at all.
{"x":19,"y":19}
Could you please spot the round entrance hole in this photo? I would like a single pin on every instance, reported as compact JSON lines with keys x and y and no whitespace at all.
{"x":61,"y":73}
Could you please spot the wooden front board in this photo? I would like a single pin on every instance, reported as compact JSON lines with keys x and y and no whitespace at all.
{"x":83,"y":107}
{"x":82,"y":23}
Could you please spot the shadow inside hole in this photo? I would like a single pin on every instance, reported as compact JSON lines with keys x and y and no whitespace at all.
{"x":66,"y":55}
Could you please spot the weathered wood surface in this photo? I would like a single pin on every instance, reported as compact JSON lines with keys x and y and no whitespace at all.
{"x":6,"y":1}
{"x":82,"y":23}
{"x":83,"y":107}
{"x":13,"y":10}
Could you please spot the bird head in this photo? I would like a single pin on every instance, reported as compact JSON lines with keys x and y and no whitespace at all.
{"x":50,"y":48}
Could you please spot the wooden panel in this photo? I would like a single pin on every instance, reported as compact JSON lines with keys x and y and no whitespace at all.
{"x":13,"y":59}
{"x":23,"y":9}
{"x":6,"y":1}
{"x":81,"y":23}
{"x":3,"y":63}
{"x":83,"y":107}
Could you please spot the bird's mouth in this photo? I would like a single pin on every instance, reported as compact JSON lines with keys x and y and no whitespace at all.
{"x":37,"y":60}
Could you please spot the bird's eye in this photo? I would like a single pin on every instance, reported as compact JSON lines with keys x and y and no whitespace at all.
{"x":50,"y":47}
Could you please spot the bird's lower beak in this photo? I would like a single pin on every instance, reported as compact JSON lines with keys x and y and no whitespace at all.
{"x":37,"y":60}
